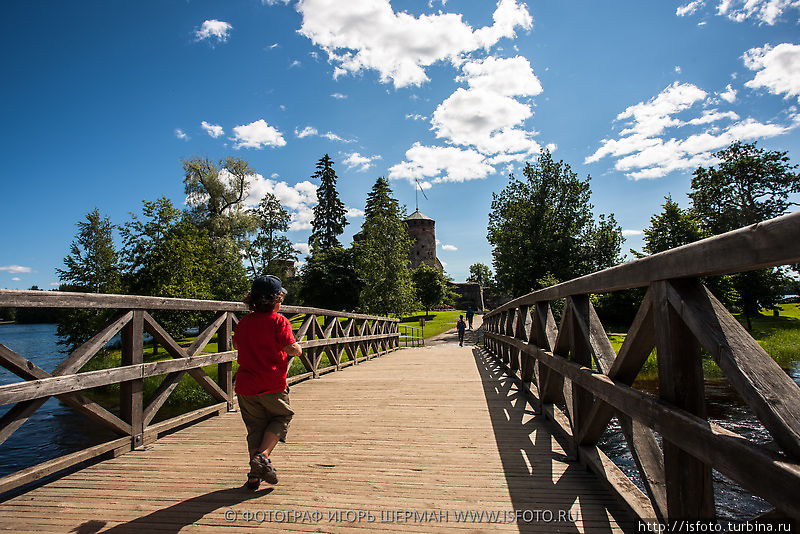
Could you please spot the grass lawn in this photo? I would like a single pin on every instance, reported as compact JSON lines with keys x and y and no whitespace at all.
{"x":435,"y":323}
{"x":779,"y":336}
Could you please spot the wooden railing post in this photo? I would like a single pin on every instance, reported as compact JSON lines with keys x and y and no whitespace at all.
{"x":690,"y":494}
{"x":131,"y":391}
{"x":581,"y":352}
{"x":225,"y":370}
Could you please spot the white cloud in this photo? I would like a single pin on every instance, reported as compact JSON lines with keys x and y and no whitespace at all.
{"x":645,"y":150}
{"x":678,"y":69}
{"x":504,"y":76}
{"x":369,"y":34}
{"x":15,"y":269}
{"x":305,"y":132}
{"x":484,"y":119}
{"x":339,"y":96}
{"x":213,"y":29}
{"x":257,"y":134}
{"x":452,"y":248}
{"x":729,"y":95}
{"x":16,"y":278}
{"x":763,"y":11}
{"x":299,"y":199}
{"x":416,"y":117}
{"x":310,"y":131}
{"x":628,"y":233}
{"x":359,"y":162}
{"x":688,"y":9}
{"x":214,"y":130}
{"x":353,"y":213}
{"x":274,"y":2}
{"x":778,"y":69}
{"x":440,"y":164}
{"x":294,"y":63}
{"x":180,"y":134}
{"x":302,"y":248}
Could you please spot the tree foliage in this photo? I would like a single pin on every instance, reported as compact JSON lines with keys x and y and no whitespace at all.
{"x":329,"y":213}
{"x":431,"y":286}
{"x":270,"y":245}
{"x":749,"y":185}
{"x":329,"y":280}
{"x":382,"y":255}
{"x":673,"y":227}
{"x":92,"y":266}
{"x":480,"y":273}
{"x":543,"y":225}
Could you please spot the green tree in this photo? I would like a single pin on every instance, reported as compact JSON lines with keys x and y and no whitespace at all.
{"x":270,"y":244}
{"x":749,"y":185}
{"x":543,"y":225}
{"x":92,"y":266}
{"x":166,"y":255}
{"x":673,"y":227}
{"x":329,"y":280}
{"x":382,"y":255}
{"x":432,"y":288}
{"x":480,"y":273}
{"x":329,"y":213}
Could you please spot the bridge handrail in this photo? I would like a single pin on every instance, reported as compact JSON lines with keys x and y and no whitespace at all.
{"x":574,"y":366}
{"x":320,"y":332}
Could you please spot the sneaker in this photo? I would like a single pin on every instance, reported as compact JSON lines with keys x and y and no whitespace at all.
{"x":262,"y":465}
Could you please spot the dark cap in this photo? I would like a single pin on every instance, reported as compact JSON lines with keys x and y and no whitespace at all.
{"x":267,"y":285}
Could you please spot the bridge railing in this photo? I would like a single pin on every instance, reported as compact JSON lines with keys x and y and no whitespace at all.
{"x":346,"y":338}
{"x":411,"y":336}
{"x":674,"y":446}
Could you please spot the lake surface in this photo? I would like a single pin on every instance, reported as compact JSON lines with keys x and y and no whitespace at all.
{"x":55,"y":430}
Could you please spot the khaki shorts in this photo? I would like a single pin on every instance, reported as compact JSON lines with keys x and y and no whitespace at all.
{"x":269,"y":412}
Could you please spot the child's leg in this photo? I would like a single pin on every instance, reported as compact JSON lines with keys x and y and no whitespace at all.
{"x":267,"y":444}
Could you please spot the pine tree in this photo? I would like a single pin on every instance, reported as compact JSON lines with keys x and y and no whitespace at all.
{"x":270,"y":245}
{"x":382,"y":255}
{"x":92,"y":266}
{"x":329,"y":213}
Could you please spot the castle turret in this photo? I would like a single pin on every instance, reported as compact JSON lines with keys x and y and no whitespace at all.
{"x":422,"y":230}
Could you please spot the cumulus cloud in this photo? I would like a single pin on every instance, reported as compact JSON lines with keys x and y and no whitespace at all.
{"x":180,"y":134}
{"x":777,"y":69}
{"x":440,"y":164}
{"x":628,"y":233}
{"x":299,"y":199}
{"x":688,"y":9}
{"x":644,"y":149}
{"x":16,"y":279}
{"x":729,"y":95}
{"x":369,"y":35}
{"x":416,"y":117}
{"x":214,"y":130}
{"x":353,"y":213}
{"x":354,"y":160}
{"x":15,"y":269}
{"x":505,"y":76}
{"x":213,"y":30}
{"x":305,"y":132}
{"x":761,"y":11}
{"x":338,"y":96}
{"x":452,"y":248}
{"x":258,"y":135}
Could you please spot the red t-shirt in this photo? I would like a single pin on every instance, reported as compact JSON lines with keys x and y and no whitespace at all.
{"x":260,"y":338}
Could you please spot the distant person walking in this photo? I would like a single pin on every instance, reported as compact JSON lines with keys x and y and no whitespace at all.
{"x":461,"y":326}
{"x":470,"y":315}
{"x":266,"y":345}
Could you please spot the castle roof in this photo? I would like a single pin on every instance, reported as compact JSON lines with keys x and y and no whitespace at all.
{"x":418,"y":216}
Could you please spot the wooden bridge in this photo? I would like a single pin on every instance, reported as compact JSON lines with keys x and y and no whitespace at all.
{"x":481,"y":438}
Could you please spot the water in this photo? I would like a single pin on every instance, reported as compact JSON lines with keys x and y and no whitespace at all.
{"x":726,"y":409}
{"x":54,"y":429}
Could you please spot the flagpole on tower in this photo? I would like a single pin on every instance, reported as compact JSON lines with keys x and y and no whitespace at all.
{"x":416,"y":194}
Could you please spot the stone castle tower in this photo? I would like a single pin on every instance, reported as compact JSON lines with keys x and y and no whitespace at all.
{"x":422,"y":230}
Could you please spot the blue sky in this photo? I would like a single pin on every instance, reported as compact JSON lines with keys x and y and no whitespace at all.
{"x":101,"y":101}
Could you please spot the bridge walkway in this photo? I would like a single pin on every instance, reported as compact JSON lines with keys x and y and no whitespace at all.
{"x":438,"y":430}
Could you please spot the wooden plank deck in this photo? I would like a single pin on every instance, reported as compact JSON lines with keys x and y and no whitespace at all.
{"x":434,"y":429}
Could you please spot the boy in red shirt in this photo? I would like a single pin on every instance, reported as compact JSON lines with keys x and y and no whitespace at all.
{"x":266,"y":345}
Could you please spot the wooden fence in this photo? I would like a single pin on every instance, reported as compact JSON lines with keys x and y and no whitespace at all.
{"x":346,"y":339}
{"x":574,"y":366}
